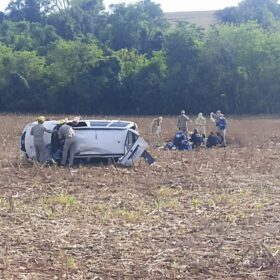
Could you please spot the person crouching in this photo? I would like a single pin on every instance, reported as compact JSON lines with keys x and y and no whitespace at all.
{"x":196,"y":139}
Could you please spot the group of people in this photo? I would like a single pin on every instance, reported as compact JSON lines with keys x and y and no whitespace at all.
{"x":63,"y":136}
{"x":198,"y":136}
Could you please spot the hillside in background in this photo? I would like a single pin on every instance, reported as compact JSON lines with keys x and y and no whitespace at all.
{"x":201,"y":18}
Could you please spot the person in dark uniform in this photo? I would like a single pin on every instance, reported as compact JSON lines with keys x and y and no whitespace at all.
{"x":56,"y":143}
{"x":196,"y":139}
{"x":213,"y":140}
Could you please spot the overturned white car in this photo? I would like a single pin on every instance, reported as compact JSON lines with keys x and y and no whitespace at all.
{"x":96,"y":139}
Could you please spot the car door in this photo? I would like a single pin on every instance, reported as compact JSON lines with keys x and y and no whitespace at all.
{"x":134,"y":151}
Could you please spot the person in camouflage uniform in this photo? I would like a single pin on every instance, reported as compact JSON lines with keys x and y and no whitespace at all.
{"x":200,"y":124}
{"x":182,"y":122}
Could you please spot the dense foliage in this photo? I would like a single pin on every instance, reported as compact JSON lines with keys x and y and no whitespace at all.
{"x":71,"y":56}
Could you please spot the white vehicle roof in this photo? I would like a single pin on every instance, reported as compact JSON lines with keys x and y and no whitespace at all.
{"x":116,"y":124}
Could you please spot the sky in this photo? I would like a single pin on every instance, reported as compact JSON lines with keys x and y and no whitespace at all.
{"x":171,"y":5}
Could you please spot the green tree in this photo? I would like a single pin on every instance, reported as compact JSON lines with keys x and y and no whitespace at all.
{"x":67,"y":62}
{"x":141,"y":88}
{"x":147,"y":87}
{"x":240,"y":60}
{"x":22,"y":81}
{"x":183,"y":45}
{"x":263,"y":11}
{"x":76,"y":19}
{"x":30,"y":10}
{"x":23,"y":35}
{"x":139,"y":26}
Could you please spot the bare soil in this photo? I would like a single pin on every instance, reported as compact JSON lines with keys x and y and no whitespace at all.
{"x":207,"y":214}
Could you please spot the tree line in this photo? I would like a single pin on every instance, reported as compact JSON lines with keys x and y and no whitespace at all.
{"x":72,"y":56}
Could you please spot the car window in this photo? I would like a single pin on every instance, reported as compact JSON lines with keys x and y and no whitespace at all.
{"x":119,"y":124}
{"x":99,"y":123}
{"x":80,"y":124}
{"x":131,"y":138}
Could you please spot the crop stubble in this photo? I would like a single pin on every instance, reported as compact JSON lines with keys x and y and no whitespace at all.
{"x":208,"y":214}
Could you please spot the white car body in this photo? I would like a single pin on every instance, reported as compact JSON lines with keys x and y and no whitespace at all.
{"x":115,"y":139}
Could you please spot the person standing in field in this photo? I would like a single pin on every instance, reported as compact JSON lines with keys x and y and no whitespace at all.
{"x":67,"y":133}
{"x":182,"y":122}
{"x":156,"y":130}
{"x":56,"y":143}
{"x":200,"y":123}
{"x":221,"y":125}
{"x":41,"y":152}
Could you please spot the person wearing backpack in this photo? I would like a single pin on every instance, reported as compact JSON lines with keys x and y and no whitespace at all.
{"x":221,"y":125}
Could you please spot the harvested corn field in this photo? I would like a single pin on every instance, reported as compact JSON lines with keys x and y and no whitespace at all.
{"x":207,"y":214}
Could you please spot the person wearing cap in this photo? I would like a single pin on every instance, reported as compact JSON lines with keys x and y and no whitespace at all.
{"x":200,"y":123}
{"x":182,"y":122}
{"x":67,"y":134}
{"x":221,"y":125}
{"x":156,"y":130}
{"x":38,"y":130}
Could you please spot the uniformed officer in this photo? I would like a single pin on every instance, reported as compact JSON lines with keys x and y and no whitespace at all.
{"x":41,"y":152}
{"x":156,"y":130}
{"x":182,"y":122}
{"x":200,"y":124}
{"x":221,"y":125}
{"x":66,"y":132}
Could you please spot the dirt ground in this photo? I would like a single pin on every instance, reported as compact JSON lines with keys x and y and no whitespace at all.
{"x":207,"y":214}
